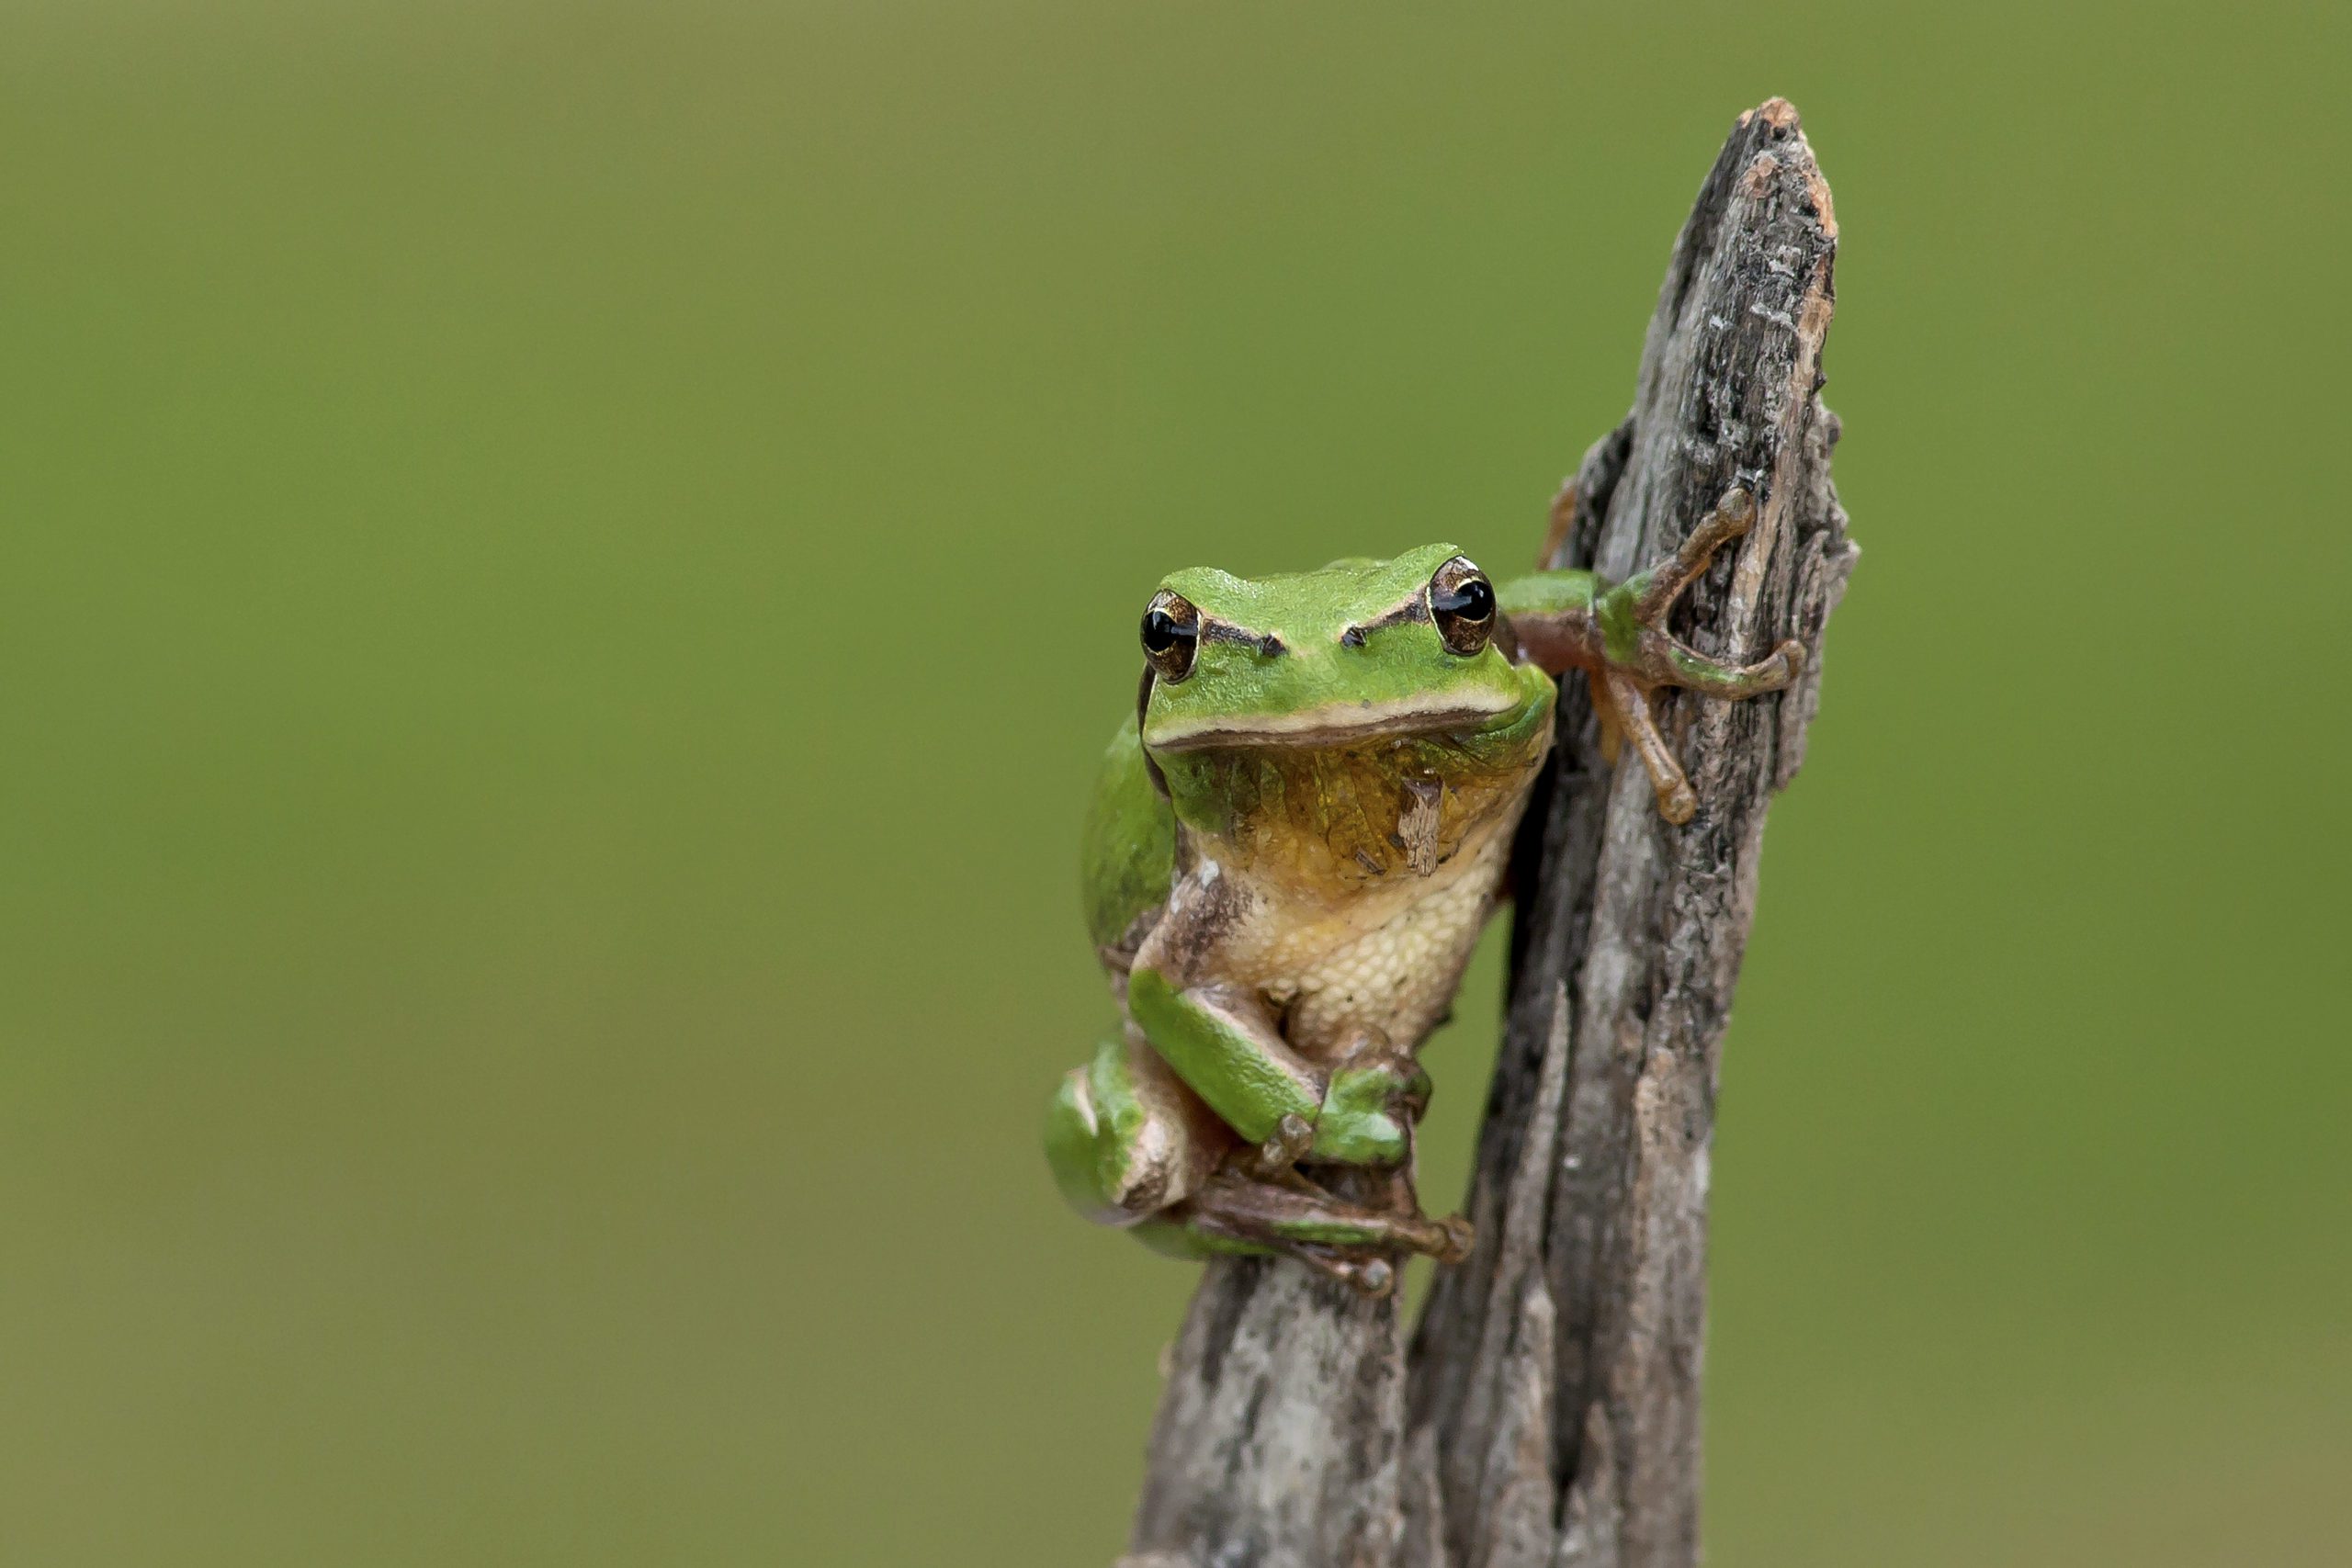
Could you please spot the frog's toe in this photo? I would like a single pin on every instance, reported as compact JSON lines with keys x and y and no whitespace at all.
{"x":1370,"y":1273}
{"x":1733,"y":516}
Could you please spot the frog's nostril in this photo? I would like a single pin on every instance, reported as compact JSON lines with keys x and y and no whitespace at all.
{"x":1272,"y":646}
{"x":1353,"y":636}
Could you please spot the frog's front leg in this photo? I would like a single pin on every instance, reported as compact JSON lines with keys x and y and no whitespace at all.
{"x":1221,"y":1040}
{"x":1617,"y":633}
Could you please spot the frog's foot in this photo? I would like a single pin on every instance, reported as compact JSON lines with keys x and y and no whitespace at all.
{"x":1126,"y":1140}
{"x":1336,"y":1237}
{"x":1370,"y":1272}
{"x":1644,"y":657}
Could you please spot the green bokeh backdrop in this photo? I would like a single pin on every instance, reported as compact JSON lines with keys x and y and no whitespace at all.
{"x":567,"y":566}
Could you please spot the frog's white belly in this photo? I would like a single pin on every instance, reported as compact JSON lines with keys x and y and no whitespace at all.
{"x":1391,"y":964}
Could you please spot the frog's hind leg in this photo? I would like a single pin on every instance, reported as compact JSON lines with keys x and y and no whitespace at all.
{"x":1347,"y":1240}
{"x":1178,"y":1234}
{"x":1131,"y":1147}
{"x":1125,"y":1139}
{"x":1299,"y":1211}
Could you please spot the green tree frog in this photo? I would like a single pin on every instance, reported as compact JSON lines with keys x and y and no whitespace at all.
{"x":1288,"y":857}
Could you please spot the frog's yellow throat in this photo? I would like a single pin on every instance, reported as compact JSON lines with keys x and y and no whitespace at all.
{"x":1324,"y":824}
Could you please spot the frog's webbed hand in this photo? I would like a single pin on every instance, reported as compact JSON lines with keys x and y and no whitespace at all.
{"x":1375,"y":1096}
{"x":1617,"y":634}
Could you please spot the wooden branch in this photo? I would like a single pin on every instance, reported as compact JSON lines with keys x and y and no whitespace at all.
{"x":1550,"y":1416}
{"x":1556,"y":1390}
{"x":1279,"y":1435}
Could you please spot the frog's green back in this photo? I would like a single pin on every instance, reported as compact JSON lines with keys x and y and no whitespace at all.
{"x":1128,"y":849}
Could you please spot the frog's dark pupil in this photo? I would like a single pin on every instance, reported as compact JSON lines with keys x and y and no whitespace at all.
{"x":1471,"y":599}
{"x":1161,"y":631}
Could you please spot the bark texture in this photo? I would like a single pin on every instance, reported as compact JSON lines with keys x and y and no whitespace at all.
{"x":1278,"y":1437}
{"x":1548,"y":1417}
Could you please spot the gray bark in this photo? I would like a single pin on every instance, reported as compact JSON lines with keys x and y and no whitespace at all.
{"x":1548,"y":1415}
{"x":1278,"y":1437}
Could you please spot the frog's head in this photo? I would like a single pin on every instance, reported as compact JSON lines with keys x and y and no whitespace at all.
{"x":1355,"y":652}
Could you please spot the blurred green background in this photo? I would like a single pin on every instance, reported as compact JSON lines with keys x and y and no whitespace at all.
{"x":567,"y":567}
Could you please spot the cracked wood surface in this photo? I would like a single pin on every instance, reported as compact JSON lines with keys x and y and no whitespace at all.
{"x":1548,"y":1415}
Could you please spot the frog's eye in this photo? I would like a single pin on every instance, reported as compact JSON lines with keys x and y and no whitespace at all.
{"x":1462,"y":603}
{"x":1172,"y":635}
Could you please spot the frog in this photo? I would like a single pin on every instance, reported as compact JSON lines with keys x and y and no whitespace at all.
{"x":1293,"y":844}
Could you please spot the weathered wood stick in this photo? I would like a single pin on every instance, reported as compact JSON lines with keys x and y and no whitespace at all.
{"x":1549,"y":1417}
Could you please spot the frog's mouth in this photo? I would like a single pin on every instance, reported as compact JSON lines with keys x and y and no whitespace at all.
{"x":1338,"y":725}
